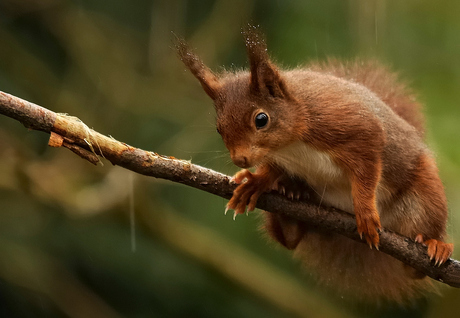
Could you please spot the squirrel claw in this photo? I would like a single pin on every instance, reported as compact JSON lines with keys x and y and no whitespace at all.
{"x":437,"y":262}
{"x":419,"y":239}
{"x":282,"y":190}
{"x":291,"y":188}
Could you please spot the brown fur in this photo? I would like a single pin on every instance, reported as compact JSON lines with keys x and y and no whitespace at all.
{"x":353,"y":133}
{"x":380,"y":81}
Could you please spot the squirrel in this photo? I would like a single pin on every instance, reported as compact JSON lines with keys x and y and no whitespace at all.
{"x":351,"y":132}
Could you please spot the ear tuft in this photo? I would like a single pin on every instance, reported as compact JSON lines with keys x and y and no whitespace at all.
{"x":207,"y":78}
{"x":255,"y":44}
{"x":265,"y":77}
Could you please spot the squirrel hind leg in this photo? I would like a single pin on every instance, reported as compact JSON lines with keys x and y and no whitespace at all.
{"x":437,"y":251}
{"x":285,"y":230}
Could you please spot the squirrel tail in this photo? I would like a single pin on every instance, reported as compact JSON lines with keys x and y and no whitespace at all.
{"x":357,"y":272}
{"x":351,"y":270}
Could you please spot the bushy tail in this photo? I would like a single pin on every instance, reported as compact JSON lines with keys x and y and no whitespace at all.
{"x":382,"y":82}
{"x":354,"y":271}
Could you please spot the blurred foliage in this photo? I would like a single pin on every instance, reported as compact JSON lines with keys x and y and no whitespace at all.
{"x":67,"y":246}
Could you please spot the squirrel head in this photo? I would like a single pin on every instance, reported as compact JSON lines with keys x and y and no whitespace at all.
{"x":256,"y":113}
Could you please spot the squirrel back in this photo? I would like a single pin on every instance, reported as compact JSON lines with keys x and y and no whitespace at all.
{"x":382,"y":82}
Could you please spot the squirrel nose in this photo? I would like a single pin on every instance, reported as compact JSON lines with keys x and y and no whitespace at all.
{"x":241,"y":161}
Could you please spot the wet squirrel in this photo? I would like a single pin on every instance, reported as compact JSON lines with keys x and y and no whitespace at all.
{"x":354,"y":134}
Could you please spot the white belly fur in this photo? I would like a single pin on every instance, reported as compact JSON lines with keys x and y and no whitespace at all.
{"x":319,"y":170}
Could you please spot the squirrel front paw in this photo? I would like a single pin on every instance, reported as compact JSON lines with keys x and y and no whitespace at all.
{"x":368,"y":225}
{"x":247,"y":193}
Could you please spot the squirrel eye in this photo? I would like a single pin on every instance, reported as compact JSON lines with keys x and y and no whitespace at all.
{"x":261,"y":120}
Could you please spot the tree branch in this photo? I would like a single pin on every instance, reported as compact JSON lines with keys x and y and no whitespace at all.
{"x":72,"y":133}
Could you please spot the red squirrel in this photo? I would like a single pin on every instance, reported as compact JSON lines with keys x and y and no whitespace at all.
{"x":352,"y":133}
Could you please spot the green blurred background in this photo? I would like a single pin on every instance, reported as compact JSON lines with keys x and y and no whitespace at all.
{"x":68,"y":246}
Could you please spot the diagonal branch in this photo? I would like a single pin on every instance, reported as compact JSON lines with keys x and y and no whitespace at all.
{"x":70,"y":132}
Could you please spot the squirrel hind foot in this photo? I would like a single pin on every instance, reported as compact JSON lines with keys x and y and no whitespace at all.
{"x":292,"y":188}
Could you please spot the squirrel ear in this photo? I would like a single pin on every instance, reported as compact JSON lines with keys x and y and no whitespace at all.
{"x":207,"y":78}
{"x":265,"y":77}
